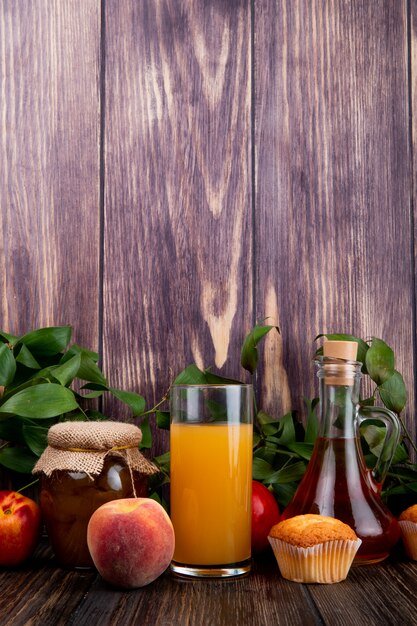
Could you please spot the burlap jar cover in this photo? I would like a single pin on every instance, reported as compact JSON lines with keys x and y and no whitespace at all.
{"x":83,"y":447}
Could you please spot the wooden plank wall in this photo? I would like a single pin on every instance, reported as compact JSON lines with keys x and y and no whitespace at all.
{"x":171,"y":172}
{"x":49,"y":165}
{"x":178,"y":252}
{"x":333,"y":180}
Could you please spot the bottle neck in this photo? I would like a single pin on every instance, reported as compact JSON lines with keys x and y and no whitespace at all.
{"x":339,"y":397}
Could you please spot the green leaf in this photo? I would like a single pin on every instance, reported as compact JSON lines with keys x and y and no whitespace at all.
{"x":11,"y":430}
{"x":191,"y":375}
{"x":134,"y":401}
{"x":268,"y":425}
{"x":96,"y":386}
{"x":375,"y":437}
{"x":146,"y":434}
{"x":218,"y":411}
{"x":367,"y":401}
{"x":36,"y":438}
{"x":76,"y":416}
{"x":312,"y":426}
{"x":400,"y":455}
{"x":215,"y":379}
{"x":18,"y":459}
{"x":393,"y":392}
{"x":8,"y":338}
{"x":26,"y":358}
{"x":47,"y":341}
{"x":93,"y":414}
{"x":76,"y":349}
{"x":89,"y":370}
{"x":407,"y":472}
{"x":402,"y":489}
{"x":265,"y":453}
{"x":66,"y":372}
{"x":261,"y":470}
{"x":271,"y":444}
{"x":11,"y":391}
{"x":288,"y":474}
{"x":362,"y":345}
{"x":249,"y":353}
{"x":284,"y":493}
{"x":163,"y":419}
{"x":380,"y":361}
{"x":287,"y":431}
{"x":45,"y":373}
{"x":305,"y":450}
{"x":281,"y":453}
{"x":7,"y":365}
{"x":40,"y":402}
{"x":163,"y":461}
{"x":88,"y":396}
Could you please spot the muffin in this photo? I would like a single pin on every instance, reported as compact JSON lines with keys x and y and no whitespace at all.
{"x":408,"y":525}
{"x":314,"y":548}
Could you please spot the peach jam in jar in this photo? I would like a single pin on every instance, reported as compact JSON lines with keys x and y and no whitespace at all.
{"x":85,"y":465}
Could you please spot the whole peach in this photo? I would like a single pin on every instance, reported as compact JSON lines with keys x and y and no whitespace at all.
{"x":131,"y":541}
{"x":20,"y":522}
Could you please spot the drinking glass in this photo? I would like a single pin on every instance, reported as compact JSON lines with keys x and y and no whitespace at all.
{"x":211,"y":479}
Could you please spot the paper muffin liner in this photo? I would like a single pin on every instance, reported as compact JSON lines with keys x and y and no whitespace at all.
{"x":409,"y":534}
{"x":327,"y":562}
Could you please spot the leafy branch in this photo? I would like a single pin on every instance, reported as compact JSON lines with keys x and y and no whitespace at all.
{"x":36,"y":374}
{"x":39,"y":370}
{"x":283,"y":446}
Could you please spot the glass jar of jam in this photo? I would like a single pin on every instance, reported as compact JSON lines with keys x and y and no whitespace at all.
{"x":97,"y":462}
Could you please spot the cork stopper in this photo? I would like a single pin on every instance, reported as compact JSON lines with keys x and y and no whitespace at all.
{"x":338,"y":372}
{"x":347,"y":350}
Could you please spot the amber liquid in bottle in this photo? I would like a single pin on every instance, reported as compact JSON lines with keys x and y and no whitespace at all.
{"x":337,"y":483}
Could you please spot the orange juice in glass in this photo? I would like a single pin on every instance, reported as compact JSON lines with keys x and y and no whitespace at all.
{"x":211,"y":479}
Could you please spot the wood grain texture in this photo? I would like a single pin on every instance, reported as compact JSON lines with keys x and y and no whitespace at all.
{"x":177,"y":266}
{"x":332,"y":237}
{"x":256,"y":600}
{"x":413,"y":127}
{"x":333,"y":179}
{"x":359,"y":607}
{"x":49,"y":165}
{"x":40,"y":593}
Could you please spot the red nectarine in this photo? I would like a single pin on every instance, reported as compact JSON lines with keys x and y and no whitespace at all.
{"x":20,"y":522}
{"x":265,"y":513}
{"x":131,"y":541}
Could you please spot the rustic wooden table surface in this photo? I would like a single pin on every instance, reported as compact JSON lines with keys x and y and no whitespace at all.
{"x":40,"y":592}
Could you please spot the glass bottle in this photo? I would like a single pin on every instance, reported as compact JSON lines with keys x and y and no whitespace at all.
{"x":337,"y":481}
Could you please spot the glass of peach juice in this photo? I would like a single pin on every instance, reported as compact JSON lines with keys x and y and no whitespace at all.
{"x":211,"y":479}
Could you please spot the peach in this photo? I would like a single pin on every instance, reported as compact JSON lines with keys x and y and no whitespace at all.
{"x":131,"y":541}
{"x":20,"y":523}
